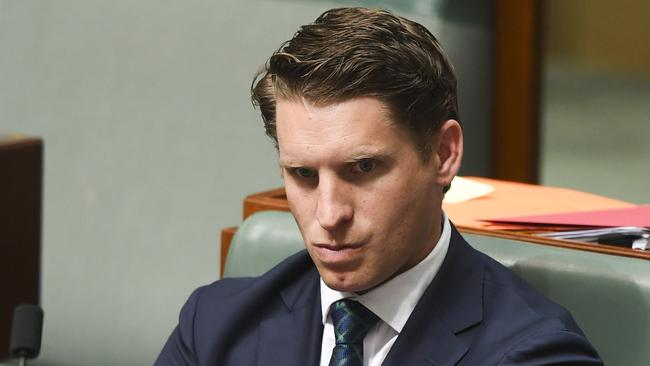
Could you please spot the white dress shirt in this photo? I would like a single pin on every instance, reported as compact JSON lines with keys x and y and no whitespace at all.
{"x":393,"y":302}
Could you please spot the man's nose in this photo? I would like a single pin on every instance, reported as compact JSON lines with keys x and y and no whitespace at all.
{"x":334,"y":208}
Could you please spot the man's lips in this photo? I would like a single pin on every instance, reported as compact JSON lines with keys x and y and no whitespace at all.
{"x":337,"y":246}
{"x":336,"y":253}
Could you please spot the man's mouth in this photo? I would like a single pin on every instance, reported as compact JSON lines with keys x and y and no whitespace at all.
{"x":336,"y":253}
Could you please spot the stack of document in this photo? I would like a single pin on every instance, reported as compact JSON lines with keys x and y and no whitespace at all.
{"x":627,"y":236}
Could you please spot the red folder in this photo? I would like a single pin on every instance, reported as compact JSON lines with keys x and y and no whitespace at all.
{"x":632,"y":216}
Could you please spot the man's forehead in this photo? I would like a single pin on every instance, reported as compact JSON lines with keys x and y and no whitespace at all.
{"x":329,"y":103}
{"x":350,"y":130}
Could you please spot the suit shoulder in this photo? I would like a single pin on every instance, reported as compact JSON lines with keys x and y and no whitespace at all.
{"x":552,"y":347}
{"x":219,"y":320}
{"x":229,"y":290}
{"x":506,"y":287}
{"x":526,"y":319}
{"x":520,"y":325}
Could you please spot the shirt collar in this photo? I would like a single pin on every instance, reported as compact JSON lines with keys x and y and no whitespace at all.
{"x":394,"y":301}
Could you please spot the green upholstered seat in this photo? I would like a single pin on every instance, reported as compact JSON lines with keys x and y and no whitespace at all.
{"x":609,"y":296}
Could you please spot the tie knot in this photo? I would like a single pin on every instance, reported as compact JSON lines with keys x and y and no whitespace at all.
{"x":351,"y":320}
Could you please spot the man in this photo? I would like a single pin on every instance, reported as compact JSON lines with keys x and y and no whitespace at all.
{"x":362,"y":107}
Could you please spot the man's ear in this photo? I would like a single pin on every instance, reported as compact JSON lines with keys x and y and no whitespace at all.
{"x":448,"y":151}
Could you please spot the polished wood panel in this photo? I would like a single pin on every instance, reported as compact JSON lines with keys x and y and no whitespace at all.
{"x":21,"y":169}
{"x":516,"y":129}
{"x":226,"y":238}
{"x":275,"y":199}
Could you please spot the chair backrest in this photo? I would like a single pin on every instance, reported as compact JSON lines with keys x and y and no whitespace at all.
{"x":609,"y":296}
{"x":262,"y":241}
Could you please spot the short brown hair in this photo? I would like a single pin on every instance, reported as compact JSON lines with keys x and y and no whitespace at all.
{"x":361,"y":52}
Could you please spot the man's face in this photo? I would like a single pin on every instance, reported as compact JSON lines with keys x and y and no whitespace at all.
{"x":367,"y":206}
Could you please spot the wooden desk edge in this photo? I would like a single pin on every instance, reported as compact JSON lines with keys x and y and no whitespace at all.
{"x":226,"y":238}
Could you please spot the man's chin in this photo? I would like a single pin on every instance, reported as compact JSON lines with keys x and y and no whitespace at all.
{"x":345,"y":283}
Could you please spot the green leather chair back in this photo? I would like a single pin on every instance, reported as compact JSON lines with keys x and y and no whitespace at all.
{"x":262,"y":241}
{"x":609,"y":296}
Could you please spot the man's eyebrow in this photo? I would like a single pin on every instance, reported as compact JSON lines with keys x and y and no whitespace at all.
{"x":289,"y":163}
{"x":356,"y":156}
{"x":375,"y":154}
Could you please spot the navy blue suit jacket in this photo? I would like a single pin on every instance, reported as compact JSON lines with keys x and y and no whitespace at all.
{"x":474,"y":312}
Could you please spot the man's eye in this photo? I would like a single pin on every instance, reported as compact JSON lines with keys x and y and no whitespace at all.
{"x":304,"y":172}
{"x":364,"y":166}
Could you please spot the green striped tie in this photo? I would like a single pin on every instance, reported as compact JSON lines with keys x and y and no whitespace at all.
{"x":352,"y":321}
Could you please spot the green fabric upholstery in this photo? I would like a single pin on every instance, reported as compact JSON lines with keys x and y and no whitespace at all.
{"x":609,"y":296}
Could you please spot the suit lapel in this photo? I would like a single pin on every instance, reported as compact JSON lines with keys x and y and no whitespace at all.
{"x":451,"y":304}
{"x":426,"y":342}
{"x":294,"y":337}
